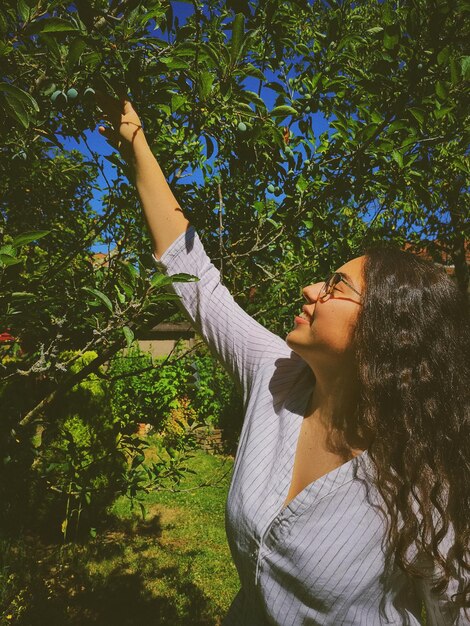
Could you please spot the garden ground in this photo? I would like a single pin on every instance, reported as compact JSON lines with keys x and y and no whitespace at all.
{"x":173,"y":567}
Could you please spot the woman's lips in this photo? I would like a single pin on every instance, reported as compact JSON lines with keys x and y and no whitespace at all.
{"x":300,"y":320}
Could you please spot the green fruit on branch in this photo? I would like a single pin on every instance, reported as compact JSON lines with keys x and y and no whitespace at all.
{"x":59,"y":96}
{"x":72,"y":93}
{"x":271,"y":188}
{"x":242,"y":127}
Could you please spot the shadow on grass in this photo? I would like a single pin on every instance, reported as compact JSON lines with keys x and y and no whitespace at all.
{"x":122,"y":600}
{"x":58,"y":587}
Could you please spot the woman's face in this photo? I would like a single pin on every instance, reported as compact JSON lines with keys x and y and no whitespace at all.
{"x":327,"y":334}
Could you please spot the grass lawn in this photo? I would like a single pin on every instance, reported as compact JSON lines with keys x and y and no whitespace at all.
{"x":174,"y":567}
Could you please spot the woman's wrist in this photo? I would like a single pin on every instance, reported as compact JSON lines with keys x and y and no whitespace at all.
{"x":139,"y":146}
{"x":140,"y":155}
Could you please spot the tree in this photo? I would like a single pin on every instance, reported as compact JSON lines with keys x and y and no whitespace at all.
{"x":392,"y":80}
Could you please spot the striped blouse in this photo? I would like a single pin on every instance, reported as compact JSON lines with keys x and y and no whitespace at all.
{"x":319,"y":560}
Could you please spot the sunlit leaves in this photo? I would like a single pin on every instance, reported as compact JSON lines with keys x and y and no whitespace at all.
{"x":50,"y":25}
{"x":18,"y":103}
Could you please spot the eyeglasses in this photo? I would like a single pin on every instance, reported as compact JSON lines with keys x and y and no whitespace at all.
{"x":331,"y":283}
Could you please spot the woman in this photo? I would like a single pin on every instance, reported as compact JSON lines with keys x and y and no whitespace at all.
{"x":350,"y":495}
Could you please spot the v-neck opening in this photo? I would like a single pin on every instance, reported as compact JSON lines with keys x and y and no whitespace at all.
{"x":315,"y":485}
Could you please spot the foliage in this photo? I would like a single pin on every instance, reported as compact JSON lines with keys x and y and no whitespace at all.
{"x":81,"y":468}
{"x":135,"y":568}
{"x":389,"y":81}
{"x":174,"y":397}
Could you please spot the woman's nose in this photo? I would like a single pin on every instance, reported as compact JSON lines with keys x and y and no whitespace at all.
{"x":312,"y":292}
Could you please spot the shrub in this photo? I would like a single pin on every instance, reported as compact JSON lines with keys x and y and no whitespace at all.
{"x":81,"y":467}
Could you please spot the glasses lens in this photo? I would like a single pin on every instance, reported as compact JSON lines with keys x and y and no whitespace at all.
{"x":330,"y":284}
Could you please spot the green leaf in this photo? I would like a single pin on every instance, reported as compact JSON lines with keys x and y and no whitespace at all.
{"x":386,"y":146}
{"x":370,"y":130}
{"x":177,"y":102}
{"x":391,"y":36}
{"x":206,"y":80}
{"x":17,"y":111}
{"x":250,"y":70}
{"x":276,"y":87}
{"x":441,"y":89}
{"x":465,"y":67}
{"x":417,"y":114}
{"x":6,"y":260}
{"x":440,"y":113}
{"x":5,"y":48}
{"x":50,"y":25}
{"x":76,"y":49}
{"x":133,"y":273}
{"x":443,"y":55}
{"x":92,"y":59}
{"x":25,"y":238}
{"x":375,"y":29}
{"x":283,"y":111}
{"x":182,"y":278}
{"x":160,"y":280}
{"x":461,"y":166}
{"x":301,"y":183}
{"x":398,"y":157}
{"x":210,"y":146}
{"x":397,"y":125}
{"x":20,"y":95}
{"x":129,"y":335}
{"x":120,"y":295}
{"x":175,"y":64}
{"x":7,"y":249}
{"x":99,"y":294}
{"x":24,"y":10}
{"x":454,"y":74}
{"x":238,"y":28}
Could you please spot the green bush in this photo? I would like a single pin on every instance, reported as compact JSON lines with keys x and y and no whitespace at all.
{"x":81,"y":468}
{"x":149,"y":394}
{"x":89,"y":451}
{"x":161,"y":387}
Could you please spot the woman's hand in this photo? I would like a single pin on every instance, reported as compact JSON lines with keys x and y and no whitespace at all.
{"x":125,"y":126}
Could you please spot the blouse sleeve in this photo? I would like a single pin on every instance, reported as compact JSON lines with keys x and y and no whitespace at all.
{"x":238,"y":341}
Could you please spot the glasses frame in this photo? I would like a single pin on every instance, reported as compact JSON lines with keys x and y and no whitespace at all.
{"x":329,"y":285}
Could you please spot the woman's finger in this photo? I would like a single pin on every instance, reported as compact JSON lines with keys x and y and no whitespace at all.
{"x":108,"y":134}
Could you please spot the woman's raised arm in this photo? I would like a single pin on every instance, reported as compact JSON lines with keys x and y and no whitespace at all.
{"x":164,"y":216}
{"x":240,"y":342}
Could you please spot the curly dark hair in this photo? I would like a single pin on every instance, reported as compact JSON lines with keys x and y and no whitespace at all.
{"x":412,"y":348}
